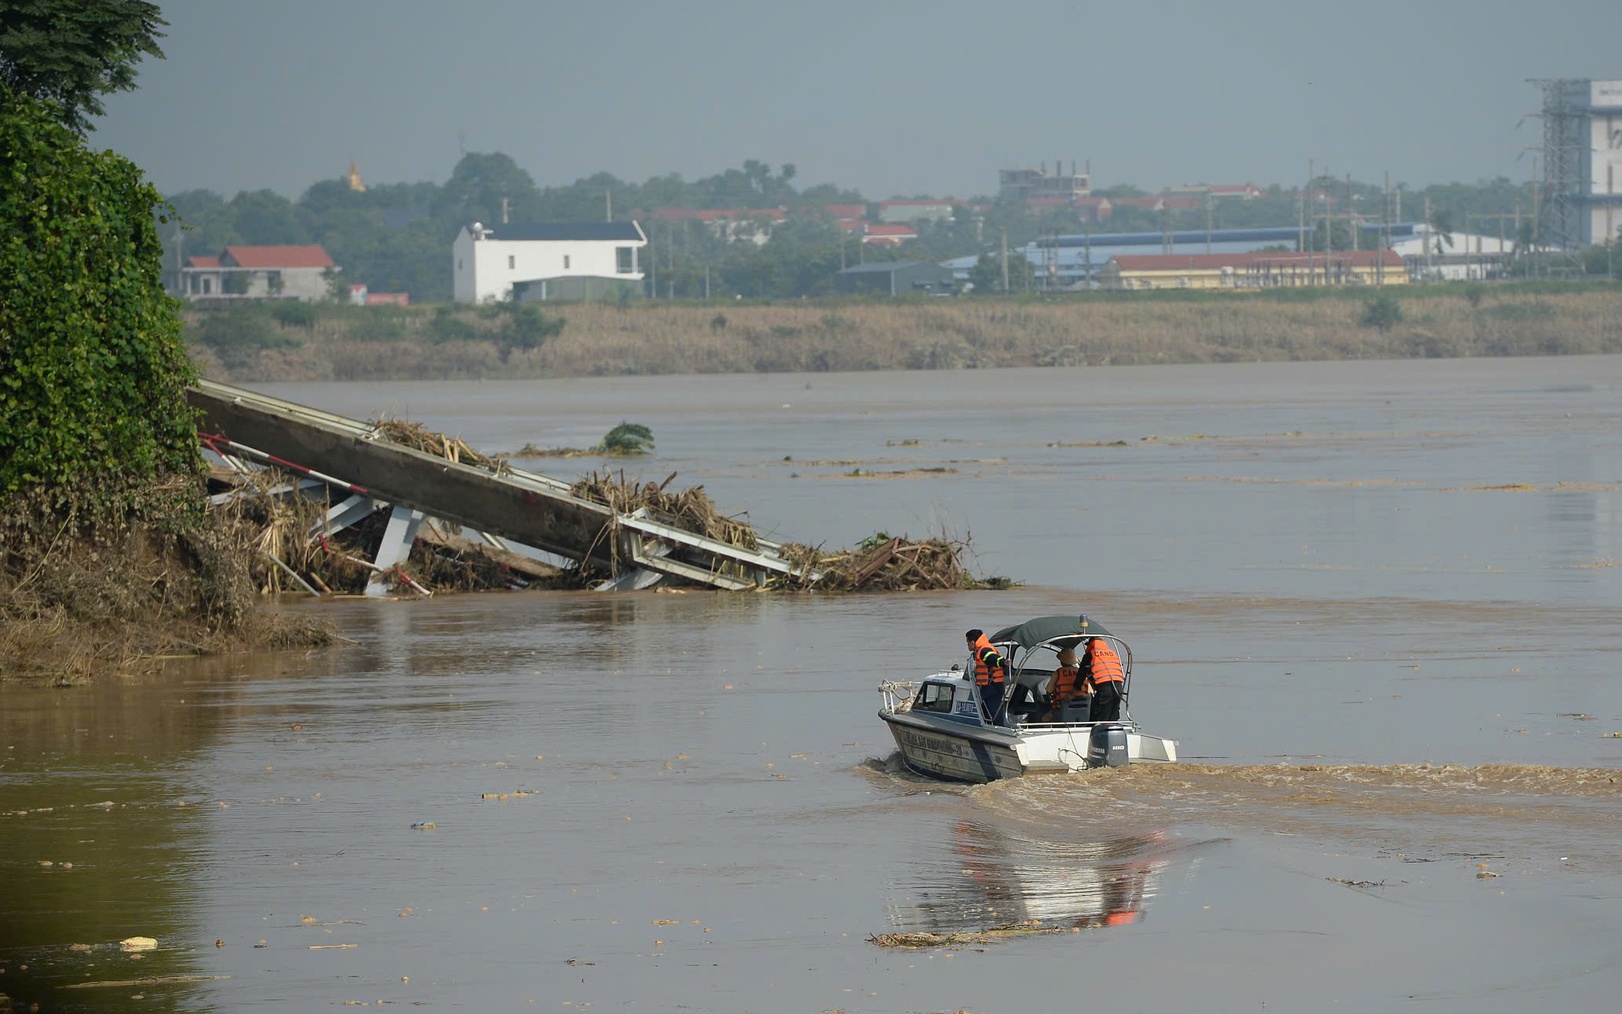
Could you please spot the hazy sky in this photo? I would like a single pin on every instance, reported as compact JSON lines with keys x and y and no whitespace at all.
{"x":892,"y":99}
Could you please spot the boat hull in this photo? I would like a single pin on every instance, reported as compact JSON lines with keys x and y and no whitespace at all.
{"x":964,"y":753}
{"x":961,"y":755}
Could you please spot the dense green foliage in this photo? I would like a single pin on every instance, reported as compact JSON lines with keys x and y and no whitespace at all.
{"x":627,"y":438}
{"x":92,"y":367}
{"x":71,"y":52}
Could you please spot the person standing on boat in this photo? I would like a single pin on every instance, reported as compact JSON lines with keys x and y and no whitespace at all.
{"x":1103,"y":677}
{"x":990,"y":674}
{"x":1065,"y":685}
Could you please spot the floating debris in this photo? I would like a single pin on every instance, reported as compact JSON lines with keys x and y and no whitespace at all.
{"x":963,"y":939}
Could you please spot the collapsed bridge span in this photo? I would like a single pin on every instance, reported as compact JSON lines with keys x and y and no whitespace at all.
{"x":363,"y":473}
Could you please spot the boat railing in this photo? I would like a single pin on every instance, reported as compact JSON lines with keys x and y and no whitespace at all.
{"x":897,"y":695}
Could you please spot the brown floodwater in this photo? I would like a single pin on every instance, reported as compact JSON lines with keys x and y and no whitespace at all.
{"x":1376,"y":602}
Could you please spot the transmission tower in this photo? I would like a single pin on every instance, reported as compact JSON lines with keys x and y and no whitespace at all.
{"x":1564,"y":148}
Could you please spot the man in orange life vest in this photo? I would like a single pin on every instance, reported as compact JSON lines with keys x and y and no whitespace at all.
{"x":1104,"y":676}
{"x":1065,"y":688}
{"x":990,"y":673}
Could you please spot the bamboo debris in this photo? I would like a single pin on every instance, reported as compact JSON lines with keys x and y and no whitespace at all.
{"x":894,"y":564}
{"x":691,"y":509}
{"x":419,"y":437}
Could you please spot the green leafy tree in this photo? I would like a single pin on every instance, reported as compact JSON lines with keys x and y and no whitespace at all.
{"x":986,"y":275}
{"x":266,"y":218}
{"x":71,"y":52}
{"x":1382,"y":312}
{"x":627,"y":438}
{"x":481,"y":187}
{"x":92,"y":367}
{"x":524,"y":327}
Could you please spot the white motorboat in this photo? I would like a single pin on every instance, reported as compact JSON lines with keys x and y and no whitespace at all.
{"x":942,"y":730}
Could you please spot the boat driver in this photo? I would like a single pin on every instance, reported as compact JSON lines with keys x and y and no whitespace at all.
{"x":990,"y":674}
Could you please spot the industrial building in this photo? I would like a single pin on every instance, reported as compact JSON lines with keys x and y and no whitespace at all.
{"x":1272,"y":269}
{"x":1073,"y":261}
{"x":896,"y":278}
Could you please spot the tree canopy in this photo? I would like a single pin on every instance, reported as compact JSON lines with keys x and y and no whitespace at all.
{"x":92,"y":366}
{"x":70,"y":53}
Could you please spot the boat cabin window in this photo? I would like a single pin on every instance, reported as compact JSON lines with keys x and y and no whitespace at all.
{"x":934,"y":697}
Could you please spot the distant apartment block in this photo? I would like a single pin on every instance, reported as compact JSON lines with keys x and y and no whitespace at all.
{"x":259,"y":272}
{"x":1021,"y":186}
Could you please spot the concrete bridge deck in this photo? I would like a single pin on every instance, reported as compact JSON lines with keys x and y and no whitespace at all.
{"x":367,"y":472}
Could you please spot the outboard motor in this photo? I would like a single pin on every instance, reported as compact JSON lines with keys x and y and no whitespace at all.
{"x":1106,"y":746}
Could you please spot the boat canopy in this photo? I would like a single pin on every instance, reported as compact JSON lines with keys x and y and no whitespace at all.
{"x":1059,"y":631}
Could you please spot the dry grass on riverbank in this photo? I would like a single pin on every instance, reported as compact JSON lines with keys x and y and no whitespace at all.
{"x":603,"y":339}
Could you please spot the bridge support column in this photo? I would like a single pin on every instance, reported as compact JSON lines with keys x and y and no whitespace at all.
{"x":397,"y":539}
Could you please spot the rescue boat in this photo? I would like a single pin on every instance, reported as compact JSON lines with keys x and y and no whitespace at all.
{"x":942,"y":730}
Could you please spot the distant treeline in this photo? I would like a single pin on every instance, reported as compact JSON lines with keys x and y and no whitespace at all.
{"x":396,"y":237}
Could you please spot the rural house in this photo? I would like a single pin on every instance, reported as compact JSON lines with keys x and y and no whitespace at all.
{"x":559,"y":260}
{"x":259,"y":272}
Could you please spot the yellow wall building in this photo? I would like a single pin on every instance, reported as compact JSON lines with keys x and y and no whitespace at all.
{"x":1257,"y":270}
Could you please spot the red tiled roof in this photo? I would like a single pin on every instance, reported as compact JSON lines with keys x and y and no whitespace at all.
{"x":202,"y":262}
{"x":897,"y":231}
{"x":276,"y":257}
{"x":846,"y":210}
{"x":717,"y":214}
{"x":1158,"y":202}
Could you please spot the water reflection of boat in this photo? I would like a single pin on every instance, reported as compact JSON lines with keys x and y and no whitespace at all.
{"x":1001,"y":879}
{"x":940,"y":727}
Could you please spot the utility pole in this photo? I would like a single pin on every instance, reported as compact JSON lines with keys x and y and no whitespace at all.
{"x":1428,"y":237}
{"x":608,"y":205}
{"x":1005,"y":261}
{"x":1352,"y":221}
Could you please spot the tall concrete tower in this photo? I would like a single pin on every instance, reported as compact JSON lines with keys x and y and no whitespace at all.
{"x":1582,"y":156}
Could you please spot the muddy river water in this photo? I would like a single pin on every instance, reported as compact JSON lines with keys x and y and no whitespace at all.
{"x":1376,"y":602}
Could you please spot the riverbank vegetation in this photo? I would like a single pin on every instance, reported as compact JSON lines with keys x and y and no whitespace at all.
{"x":259,"y":342}
{"x":109,"y":554}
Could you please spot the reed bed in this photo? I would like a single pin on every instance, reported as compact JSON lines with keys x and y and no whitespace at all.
{"x":944,"y":334}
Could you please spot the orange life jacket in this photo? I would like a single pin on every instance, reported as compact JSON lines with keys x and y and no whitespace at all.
{"x":1066,"y":683}
{"x":1103,"y":664}
{"x":988,"y":668}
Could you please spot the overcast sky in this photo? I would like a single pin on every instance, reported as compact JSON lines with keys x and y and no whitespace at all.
{"x":892,"y":99}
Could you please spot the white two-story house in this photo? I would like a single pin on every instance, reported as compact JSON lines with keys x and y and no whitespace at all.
{"x":564,"y":260}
